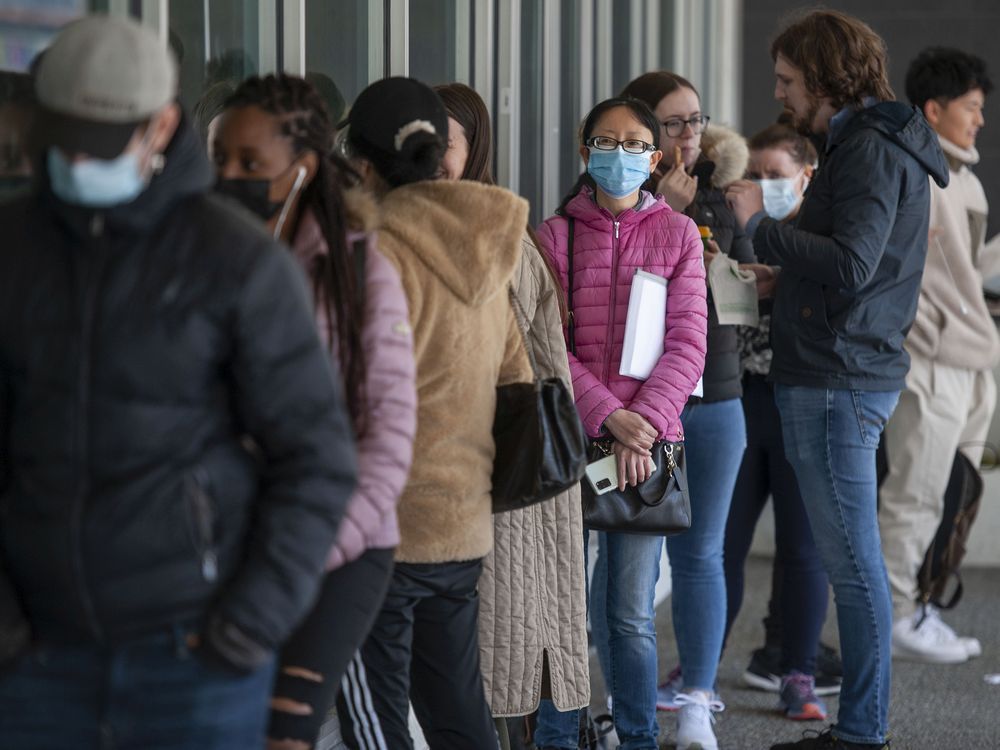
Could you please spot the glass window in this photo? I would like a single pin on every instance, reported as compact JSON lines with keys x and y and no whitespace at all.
{"x":27,"y":27}
{"x":214,"y":42}
{"x":532,"y":157}
{"x":338,"y":46}
{"x":621,"y":47}
{"x":439,"y":44}
{"x":570,"y":116}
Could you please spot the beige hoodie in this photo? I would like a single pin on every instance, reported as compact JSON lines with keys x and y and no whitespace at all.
{"x":953,"y":326}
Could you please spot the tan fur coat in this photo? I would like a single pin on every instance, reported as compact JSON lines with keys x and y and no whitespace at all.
{"x":456,"y":246}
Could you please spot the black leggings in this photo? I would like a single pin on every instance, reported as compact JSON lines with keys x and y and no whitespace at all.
{"x":315,"y":658}
{"x":800,"y":590}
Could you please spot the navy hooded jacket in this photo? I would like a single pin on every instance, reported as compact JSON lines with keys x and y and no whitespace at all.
{"x":851,"y":263}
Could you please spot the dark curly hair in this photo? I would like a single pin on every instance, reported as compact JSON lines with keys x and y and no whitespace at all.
{"x":305,"y":120}
{"x":840,"y":57}
{"x":944,"y":73}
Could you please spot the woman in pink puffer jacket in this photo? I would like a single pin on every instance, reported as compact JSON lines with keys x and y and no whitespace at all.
{"x":618,"y":229}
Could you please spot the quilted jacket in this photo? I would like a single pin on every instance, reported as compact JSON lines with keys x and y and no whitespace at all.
{"x":532,"y":593}
{"x":607,"y":252}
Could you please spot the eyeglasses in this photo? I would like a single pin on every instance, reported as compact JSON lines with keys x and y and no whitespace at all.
{"x":631,"y":146}
{"x":675,"y":127}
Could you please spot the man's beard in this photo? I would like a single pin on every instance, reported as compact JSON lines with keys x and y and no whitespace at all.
{"x":804,"y":124}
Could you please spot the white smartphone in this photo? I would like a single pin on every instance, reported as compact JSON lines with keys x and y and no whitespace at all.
{"x":603,"y":474}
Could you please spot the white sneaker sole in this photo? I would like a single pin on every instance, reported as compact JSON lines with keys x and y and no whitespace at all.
{"x":929,"y":657}
{"x":754,"y":680}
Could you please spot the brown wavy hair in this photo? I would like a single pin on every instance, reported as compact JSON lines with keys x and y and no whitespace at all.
{"x":840,"y":56}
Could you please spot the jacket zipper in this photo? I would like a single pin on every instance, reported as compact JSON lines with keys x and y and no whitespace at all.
{"x":201,"y":508}
{"x":91,"y":281}
{"x":611,"y":313}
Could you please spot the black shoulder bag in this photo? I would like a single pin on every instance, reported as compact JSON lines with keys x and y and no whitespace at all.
{"x":541,"y":446}
{"x":661,"y":504}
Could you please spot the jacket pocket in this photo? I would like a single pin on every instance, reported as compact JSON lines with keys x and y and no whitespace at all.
{"x":810,"y":311}
{"x":201,"y":524}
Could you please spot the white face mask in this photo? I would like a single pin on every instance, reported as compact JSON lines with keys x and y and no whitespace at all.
{"x":780,"y":196}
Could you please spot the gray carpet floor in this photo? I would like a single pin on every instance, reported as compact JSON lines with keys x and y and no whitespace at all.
{"x":946,"y":707}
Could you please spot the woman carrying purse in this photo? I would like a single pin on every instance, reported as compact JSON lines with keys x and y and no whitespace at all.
{"x":617,"y":229}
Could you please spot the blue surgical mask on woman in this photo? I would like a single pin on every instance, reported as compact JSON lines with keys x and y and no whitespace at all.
{"x":618,"y":173}
{"x":780,"y":196}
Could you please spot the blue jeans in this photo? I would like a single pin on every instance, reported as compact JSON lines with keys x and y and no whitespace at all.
{"x":715,"y":438}
{"x":830,"y":439}
{"x":624,"y":631}
{"x":150,"y":693}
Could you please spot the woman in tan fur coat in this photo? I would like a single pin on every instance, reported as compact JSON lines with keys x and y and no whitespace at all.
{"x":456,"y":247}
{"x":533,"y":616}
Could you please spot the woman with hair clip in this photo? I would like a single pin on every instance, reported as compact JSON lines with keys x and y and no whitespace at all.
{"x":456,"y":247}
{"x":533,"y":602}
{"x":273,"y":153}
{"x":618,"y":228}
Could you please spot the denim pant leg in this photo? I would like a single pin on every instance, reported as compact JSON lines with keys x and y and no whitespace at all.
{"x":715,"y":438}
{"x":831,"y":437}
{"x":624,"y":630}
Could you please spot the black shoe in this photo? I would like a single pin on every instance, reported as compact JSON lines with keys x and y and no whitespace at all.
{"x":825,"y":741}
{"x":828,"y":661}
{"x":764,"y":670}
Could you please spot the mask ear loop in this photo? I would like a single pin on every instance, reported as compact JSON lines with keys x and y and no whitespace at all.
{"x":300,"y":177}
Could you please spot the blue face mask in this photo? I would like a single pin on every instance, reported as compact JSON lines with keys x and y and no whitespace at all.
{"x":618,"y":173}
{"x":96,"y":183}
{"x":780,"y":196}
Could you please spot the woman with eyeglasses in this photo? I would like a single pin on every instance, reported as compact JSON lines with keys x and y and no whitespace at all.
{"x":618,"y":228}
{"x":701,"y":161}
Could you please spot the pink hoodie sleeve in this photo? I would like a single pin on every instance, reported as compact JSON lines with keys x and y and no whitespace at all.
{"x":385,"y":449}
{"x":664,"y":394}
{"x":594,"y":401}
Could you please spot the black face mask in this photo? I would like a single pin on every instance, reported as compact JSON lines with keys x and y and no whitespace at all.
{"x":253,"y":194}
{"x":13,"y":185}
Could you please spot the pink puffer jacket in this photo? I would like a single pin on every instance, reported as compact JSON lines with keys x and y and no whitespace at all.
{"x":386,"y":447}
{"x":606,"y":254}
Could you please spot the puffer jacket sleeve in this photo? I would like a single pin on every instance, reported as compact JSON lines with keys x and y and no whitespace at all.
{"x":385,"y":448}
{"x":664,"y":394}
{"x":14,"y":632}
{"x":594,"y":401}
{"x":289,"y":401}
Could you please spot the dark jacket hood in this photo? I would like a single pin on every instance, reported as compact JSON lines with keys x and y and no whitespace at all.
{"x":905,"y":126}
{"x":186,"y":171}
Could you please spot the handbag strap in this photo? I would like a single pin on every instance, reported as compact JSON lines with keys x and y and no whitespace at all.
{"x":570,"y":317}
{"x":523,"y":325}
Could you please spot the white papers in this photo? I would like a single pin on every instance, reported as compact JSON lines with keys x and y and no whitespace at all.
{"x":733,"y":291}
{"x":645,"y":326}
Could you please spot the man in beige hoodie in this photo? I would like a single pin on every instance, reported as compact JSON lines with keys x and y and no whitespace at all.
{"x":950,"y":391}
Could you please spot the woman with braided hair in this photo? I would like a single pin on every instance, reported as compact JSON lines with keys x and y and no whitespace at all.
{"x":273,"y":152}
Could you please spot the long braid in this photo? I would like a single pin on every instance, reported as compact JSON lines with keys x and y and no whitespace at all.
{"x":305,"y":119}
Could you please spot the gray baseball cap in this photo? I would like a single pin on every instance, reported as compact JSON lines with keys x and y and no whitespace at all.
{"x":101,"y":77}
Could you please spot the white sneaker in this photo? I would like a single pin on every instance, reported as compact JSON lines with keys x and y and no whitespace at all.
{"x":695,"y":720}
{"x":973,"y":647}
{"x":920,"y":638}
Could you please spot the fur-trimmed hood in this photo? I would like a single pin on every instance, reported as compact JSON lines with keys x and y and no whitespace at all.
{"x":728,"y":150}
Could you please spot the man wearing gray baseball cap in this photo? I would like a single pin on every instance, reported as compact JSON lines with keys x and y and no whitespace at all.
{"x":175,"y":455}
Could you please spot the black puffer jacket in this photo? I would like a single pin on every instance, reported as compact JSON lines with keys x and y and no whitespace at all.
{"x":724,"y":159}
{"x":140,"y":348}
{"x":852,"y":262}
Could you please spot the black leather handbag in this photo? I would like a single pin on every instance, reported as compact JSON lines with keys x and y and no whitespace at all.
{"x":661,"y":504}
{"x":541,"y":446}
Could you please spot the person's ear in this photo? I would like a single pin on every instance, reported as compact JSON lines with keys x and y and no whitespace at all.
{"x":164,"y":126}
{"x":654,"y":160}
{"x":932,"y":111}
{"x":585,"y":155}
{"x":309,"y":160}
